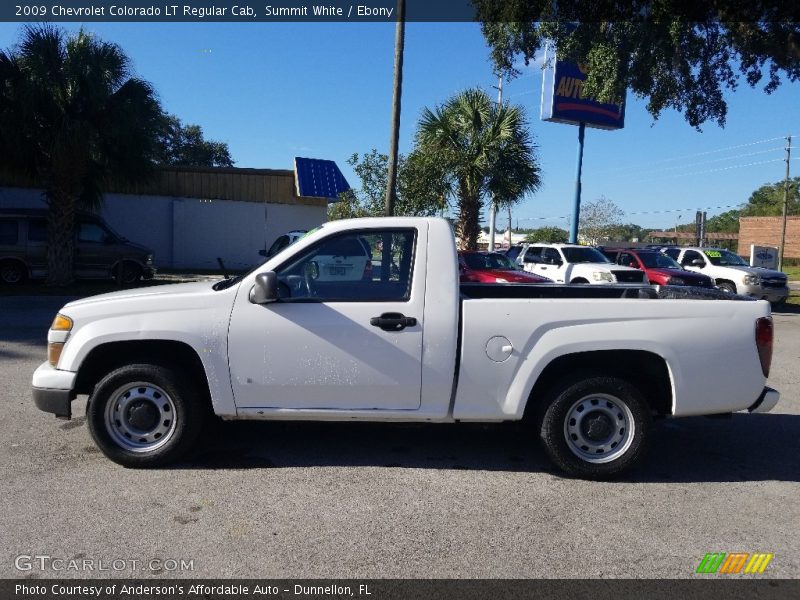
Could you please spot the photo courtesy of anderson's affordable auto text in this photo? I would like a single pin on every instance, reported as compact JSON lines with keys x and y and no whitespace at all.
{"x":399,"y":299}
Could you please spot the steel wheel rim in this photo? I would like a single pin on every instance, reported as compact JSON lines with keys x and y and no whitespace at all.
{"x":599,"y":428}
{"x":140,"y":417}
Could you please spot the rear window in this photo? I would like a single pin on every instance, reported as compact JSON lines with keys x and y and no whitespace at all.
{"x":9,"y":232}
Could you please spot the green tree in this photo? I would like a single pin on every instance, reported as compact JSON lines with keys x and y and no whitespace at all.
{"x":73,"y":118}
{"x":481,"y":151}
{"x":420,"y":191}
{"x":727,"y":222}
{"x":679,"y":56}
{"x":768,"y":200}
{"x":185,"y":145}
{"x":548,"y":235}
{"x":628,"y":233}
{"x":598,"y":220}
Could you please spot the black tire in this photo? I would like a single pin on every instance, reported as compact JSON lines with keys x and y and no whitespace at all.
{"x":131,"y":273}
{"x":12,"y":272}
{"x":579,"y":280}
{"x":727,"y":286}
{"x":603,"y":439}
{"x":144,"y":415}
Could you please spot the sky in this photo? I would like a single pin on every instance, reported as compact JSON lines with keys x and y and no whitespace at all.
{"x":273,"y":91}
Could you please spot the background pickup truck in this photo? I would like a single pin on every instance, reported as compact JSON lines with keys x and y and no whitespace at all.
{"x":301,"y":337}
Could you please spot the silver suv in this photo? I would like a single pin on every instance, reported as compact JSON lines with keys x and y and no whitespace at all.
{"x":731,"y":272}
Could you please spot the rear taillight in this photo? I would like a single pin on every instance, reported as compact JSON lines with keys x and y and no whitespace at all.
{"x":764,"y":336}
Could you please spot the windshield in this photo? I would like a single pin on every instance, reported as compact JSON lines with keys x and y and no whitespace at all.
{"x":495,"y":261}
{"x":657,"y":260}
{"x":584,"y":255}
{"x":723,"y":258}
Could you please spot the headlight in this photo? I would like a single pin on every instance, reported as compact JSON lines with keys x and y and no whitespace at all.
{"x":501,"y":280}
{"x":60,"y":323}
{"x":676,"y":281}
{"x":148,"y":259}
{"x":602,"y":276}
{"x":751,"y":280}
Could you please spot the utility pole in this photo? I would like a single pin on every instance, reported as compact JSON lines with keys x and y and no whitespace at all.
{"x":785,"y":210}
{"x":399,"y":44}
{"x":493,"y":208}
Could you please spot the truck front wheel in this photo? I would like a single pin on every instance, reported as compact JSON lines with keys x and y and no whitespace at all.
{"x":596,"y":428}
{"x":145,"y":415}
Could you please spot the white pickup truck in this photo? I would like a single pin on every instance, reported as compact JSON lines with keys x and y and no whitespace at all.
{"x":336,"y":339}
{"x":571,"y":263}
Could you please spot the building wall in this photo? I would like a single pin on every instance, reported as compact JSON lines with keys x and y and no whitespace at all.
{"x":190,"y":233}
{"x":766,"y":231}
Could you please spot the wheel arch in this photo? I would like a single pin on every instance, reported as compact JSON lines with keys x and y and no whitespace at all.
{"x":106,"y":357}
{"x":18,"y":260}
{"x":646,"y":370}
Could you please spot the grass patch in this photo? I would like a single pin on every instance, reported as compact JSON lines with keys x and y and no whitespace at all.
{"x":793,"y":272}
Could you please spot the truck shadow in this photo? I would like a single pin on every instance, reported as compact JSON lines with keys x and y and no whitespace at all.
{"x":742,"y":448}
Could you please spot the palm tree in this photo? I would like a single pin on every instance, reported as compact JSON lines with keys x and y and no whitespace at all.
{"x":484,"y":150}
{"x":72,"y":117}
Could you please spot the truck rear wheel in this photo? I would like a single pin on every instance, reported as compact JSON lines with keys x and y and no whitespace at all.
{"x":145,"y":415}
{"x":595,"y":428}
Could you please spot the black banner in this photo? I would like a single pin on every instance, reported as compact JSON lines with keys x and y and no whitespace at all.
{"x":393,"y":589}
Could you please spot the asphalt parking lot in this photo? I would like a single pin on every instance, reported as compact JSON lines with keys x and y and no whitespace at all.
{"x":365,"y":500}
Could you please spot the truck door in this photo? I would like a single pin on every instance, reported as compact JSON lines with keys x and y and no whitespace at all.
{"x":343,"y":335}
{"x":552,"y":265}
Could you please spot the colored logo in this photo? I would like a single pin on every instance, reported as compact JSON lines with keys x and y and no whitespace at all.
{"x":734,"y":562}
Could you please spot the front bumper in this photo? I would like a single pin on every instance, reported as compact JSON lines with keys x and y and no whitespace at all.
{"x":766,"y":293}
{"x":766,"y":401}
{"x":53,"y":390}
{"x":148,"y":272}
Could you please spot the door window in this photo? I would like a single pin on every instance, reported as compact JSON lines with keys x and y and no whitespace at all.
{"x":9,"y":232}
{"x":352,"y":267}
{"x":551,"y":256}
{"x":93,"y":233}
{"x":37,"y":231}
{"x":692,"y":255}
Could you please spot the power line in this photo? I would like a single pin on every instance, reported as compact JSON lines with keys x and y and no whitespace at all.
{"x":707,"y":152}
{"x":714,"y":160}
{"x":761,"y":162}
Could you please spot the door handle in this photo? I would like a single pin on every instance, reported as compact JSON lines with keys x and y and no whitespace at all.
{"x":393,"y":321}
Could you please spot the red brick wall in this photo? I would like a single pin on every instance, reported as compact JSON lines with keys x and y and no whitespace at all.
{"x":766,"y":231}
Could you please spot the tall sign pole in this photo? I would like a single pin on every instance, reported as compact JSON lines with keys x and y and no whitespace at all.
{"x":576,"y":205}
{"x":493,"y":207}
{"x":563,"y":101}
{"x":785,"y":210}
{"x":399,"y":44}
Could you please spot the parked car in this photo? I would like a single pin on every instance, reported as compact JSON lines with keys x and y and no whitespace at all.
{"x":587,"y":366}
{"x":731,"y":272}
{"x":493,"y":267}
{"x":659,"y":268}
{"x":99,"y":251}
{"x":571,"y":263}
{"x":283,"y":241}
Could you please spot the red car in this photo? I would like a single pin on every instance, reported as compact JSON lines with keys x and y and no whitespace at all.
{"x":491,"y":267}
{"x":658,"y":270}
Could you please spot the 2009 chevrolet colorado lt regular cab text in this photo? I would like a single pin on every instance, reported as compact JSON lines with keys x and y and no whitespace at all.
{"x":335,"y":339}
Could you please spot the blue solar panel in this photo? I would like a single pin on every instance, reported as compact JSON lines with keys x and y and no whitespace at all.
{"x":320,"y":178}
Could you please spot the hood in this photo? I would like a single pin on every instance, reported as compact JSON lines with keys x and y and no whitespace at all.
{"x":682,"y":273}
{"x":136,"y":247}
{"x":760,"y":271}
{"x":518,"y":276}
{"x":173,"y":289}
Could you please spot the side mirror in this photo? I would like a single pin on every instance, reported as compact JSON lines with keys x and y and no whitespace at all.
{"x":698,"y":262}
{"x":265,"y":289}
{"x":262,"y":252}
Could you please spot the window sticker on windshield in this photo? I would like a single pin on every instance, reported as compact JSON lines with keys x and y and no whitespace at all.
{"x":713,"y":254}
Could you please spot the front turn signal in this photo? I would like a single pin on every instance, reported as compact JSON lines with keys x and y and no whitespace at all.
{"x":61,"y":323}
{"x":54,"y":352}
